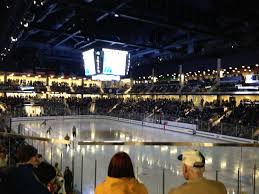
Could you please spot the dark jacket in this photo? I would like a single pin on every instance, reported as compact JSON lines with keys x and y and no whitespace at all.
{"x":22,"y":180}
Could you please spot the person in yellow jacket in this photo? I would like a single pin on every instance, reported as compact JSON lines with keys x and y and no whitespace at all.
{"x":193,"y":168}
{"x":121,"y":178}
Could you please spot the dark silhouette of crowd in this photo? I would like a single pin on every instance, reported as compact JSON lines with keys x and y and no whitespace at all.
{"x":93,"y":89}
{"x":26,"y":171}
{"x":16,"y":84}
{"x":60,"y":87}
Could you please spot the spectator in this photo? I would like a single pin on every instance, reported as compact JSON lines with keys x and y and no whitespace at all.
{"x":3,"y":158}
{"x":193,"y":167}
{"x":57,"y":185}
{"x":45,"y":172}
{"x":58,"y":170}
{"x":40,"y":158}
{"x":121,"y":178}
{"x":68,"y":176}
{"x":28,"y":155}
{"x":23,"y":179}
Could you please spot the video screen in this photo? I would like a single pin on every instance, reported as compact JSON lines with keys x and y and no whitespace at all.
{"x":89,"y":62}
{"x":252,"y":79}
{"x":114,"y":62}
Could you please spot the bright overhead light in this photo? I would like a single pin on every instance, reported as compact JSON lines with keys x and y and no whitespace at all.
{"x":13,"y":39}
{"x":116,"y":15}
{"x":26,"y":25}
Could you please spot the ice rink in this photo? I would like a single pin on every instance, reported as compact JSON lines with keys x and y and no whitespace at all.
{"x":156,"y":166}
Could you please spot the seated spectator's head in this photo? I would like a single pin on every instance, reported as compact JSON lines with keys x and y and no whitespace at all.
{"x":121,"y":166}
{"x":193,"y":164}
{"x":40,"y":158}
{"x":28,"y":155}
{"x":56,"y":165}
{"x":45,"y":172}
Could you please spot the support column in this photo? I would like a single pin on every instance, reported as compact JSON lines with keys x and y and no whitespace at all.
{"x":47,"y":80}
{"x":82,"y":84}
{"x":181,"y":76}
{"x":218,"y":70}
{"x":153,"y":75}
{"x":5,"y":77}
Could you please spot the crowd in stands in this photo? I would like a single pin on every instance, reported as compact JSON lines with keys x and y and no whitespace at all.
{"x":13,"y":106}
{"x":105,"y":105}
{"x":139,"y":88}
{"x":15,"y":85}
{"x":60,"y":87}
{"x":86,"y":90}
{"x":190,"y":86}
{"x":219,"y":117}
{"x":205,"y":85}
{"x":79,"y":106}
{"x":226,"y":84}
{"x":158,"y":87}
{"x":53,"y":106}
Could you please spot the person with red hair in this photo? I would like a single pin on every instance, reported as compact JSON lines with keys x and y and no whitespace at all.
{"x":121,"y":178}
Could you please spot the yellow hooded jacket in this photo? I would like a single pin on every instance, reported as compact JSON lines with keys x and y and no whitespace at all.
{"x":120,"y":186}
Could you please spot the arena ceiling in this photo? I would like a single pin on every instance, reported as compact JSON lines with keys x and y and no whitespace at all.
{"x":162,"y":30}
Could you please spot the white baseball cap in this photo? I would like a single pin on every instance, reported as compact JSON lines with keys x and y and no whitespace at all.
{"x":193,"y":158}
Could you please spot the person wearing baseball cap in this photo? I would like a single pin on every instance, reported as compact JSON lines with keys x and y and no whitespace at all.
{"x":193,"y":167}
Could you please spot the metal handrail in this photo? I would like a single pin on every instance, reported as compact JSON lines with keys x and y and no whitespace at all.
{"x":189,"y":144}
{"x":51,"y":140}
{"x":136,"y":143}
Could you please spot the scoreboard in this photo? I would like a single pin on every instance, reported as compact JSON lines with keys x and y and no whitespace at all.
{"x":106,"y":62}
